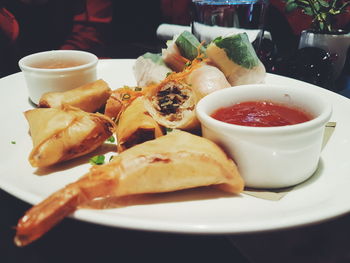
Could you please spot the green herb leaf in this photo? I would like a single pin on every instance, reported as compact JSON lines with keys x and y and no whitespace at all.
{"x":13,"y":142}
{"x":167,"y":130}
{"x":188,"y":45}
{"x":308,"y":11}
{"x":126,"y":96}
{"x":323,"y":3}
{"x":97,"y":160}
{"x":246,"y":57}
{"x":138,"y":89}
{"x":156,"y":58}
{"x":111,"y":139}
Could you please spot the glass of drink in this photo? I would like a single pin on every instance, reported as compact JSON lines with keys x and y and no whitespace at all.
{"x":214,"y":18}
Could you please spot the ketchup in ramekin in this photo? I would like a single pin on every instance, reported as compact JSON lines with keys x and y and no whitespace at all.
{"x":261,"y":114}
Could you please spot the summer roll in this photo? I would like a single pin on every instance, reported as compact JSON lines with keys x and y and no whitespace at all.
{"x":236,"y":58}
{"x":150,"y":69}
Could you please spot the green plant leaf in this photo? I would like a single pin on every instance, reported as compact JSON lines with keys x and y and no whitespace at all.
{"x":291,"y":7}
{"x":323,"y":3}
{"x":97,"y":160}
{"x":308,"y":11}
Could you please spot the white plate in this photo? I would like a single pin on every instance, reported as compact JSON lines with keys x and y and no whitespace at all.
{"x":324,"y":196}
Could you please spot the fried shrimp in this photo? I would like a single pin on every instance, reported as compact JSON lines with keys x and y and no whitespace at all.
{"x":176,"y":161}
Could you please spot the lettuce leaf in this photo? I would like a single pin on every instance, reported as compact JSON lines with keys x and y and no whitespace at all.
{"x":238,"y":49}
{"x":188,"y":45}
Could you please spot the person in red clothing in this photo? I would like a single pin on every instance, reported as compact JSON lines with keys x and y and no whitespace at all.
{"x":29,"y":26}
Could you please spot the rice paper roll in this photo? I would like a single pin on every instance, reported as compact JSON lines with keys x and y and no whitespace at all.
{"x":150,"y":69}
{"x":236,"y":58}
{"x":172,"y":105}
{"x":64,"y":134}
{"x":206,"y":79}
{"x":180,"y":51}
{"x":90,"y":97}
{"x":136,"y":126}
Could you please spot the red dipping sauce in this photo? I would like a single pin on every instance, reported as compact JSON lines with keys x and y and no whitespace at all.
{"x":261,"y":114}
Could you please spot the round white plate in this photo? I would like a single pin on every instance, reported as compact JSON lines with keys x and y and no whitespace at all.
{"x":324,"y":196}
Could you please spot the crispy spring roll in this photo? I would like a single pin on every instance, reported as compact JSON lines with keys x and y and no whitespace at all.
{"x":136,"y":126}
{"x":172,"y":105}
{"x":64,"y":134}
{"x":90,"y":97}
{"x":119,"y":100}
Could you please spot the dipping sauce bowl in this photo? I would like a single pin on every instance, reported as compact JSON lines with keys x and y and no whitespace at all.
{"x":57,"y":71}
{"x":269,"y":157}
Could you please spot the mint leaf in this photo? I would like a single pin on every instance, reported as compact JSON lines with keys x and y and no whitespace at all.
{"x":97,"y":160}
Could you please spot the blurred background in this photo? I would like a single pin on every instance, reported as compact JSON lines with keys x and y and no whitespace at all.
{"x":125,"y":29}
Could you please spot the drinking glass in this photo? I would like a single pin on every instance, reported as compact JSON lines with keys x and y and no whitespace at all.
{"x":214,"y":18}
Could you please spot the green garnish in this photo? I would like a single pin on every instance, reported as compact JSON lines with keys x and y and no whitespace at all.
{"x":111,"y":158}
{"x":13,"y":142}
{"x":111,"y":139}
{"x":138,"y":89}
{"x":97,"y":160}
{"x":167,"y":130}
{"x":126,"y":96}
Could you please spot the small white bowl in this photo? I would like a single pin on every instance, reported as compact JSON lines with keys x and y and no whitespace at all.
{"x":269,"y":157}
{"x":40,"y":79}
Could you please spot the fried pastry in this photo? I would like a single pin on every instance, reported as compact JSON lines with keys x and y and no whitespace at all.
{"x":136,"y":125}
{"x":176,"y":161}
{"x":63,"y":134}
{"x":90,"y":97}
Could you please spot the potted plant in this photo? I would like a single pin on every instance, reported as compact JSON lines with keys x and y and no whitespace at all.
{"x":323,"y":13}
{"x":322,"y":32}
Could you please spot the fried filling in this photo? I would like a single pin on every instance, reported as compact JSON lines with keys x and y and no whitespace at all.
{"x":171,"y":99}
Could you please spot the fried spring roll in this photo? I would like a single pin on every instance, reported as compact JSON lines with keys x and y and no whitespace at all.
{"x":135,"y":126}
{"x":90,"y":97}
{"x":172,"y":105}
{"x":64,"y":134}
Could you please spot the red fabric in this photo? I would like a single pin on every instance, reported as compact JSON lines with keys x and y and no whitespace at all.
{"x":8,"y":25}
{"x":176,"y":11}
{"x":85,"y":32}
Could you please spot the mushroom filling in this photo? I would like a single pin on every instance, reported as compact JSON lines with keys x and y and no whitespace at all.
{"x":170,"y":98}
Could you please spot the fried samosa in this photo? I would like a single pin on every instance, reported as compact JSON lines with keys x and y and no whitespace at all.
{"x":176,"y":161}
{"x":63,"y":134}
{"x":136,"y":125}
{"x":90,"y":97}
{"x":236,"y":58}
{"x":172,"y":105}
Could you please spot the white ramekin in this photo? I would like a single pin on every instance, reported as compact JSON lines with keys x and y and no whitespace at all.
{"x":42,"y":80}
{"x":269,"y":157}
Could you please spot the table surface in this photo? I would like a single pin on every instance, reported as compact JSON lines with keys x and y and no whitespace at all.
{"x":78,"y":241}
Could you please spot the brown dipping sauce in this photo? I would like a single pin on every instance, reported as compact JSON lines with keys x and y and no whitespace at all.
{"x":55,"y":64}
{"x":261,"y":114}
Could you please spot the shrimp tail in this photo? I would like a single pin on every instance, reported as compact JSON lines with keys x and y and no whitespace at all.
{"x":42,"y":217}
